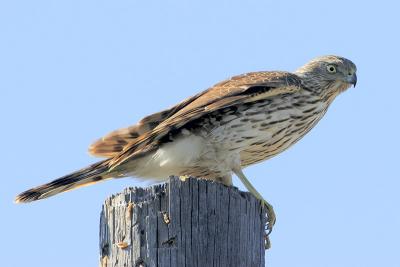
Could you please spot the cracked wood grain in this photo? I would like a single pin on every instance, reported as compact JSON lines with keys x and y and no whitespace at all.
{"x":182,"y":223}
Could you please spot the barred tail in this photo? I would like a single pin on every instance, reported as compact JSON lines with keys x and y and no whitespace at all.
{"x":92,"y":174}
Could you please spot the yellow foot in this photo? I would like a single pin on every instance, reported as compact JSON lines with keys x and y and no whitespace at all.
{"x":267,"y":242}
{"x":184,"y":177}
{"x":271,"y":219}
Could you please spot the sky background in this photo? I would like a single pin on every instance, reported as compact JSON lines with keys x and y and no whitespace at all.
{"x":71,"y":71}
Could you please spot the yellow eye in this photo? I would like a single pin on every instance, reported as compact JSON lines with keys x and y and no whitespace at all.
{"x":331,"y":69}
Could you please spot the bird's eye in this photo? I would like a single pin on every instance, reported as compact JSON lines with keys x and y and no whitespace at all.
{"x":331,"y":69}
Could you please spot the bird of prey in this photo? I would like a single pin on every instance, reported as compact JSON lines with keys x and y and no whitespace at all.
{"x":218,"y":132}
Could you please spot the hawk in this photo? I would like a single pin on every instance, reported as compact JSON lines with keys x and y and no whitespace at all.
{"x":218,"y":132}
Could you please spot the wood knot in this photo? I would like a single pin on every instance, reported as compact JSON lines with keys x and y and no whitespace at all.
{"x":169,"y":242}
{"x":122,"y":245}
{"x":140,"y":263}
{"x":166,"y":217}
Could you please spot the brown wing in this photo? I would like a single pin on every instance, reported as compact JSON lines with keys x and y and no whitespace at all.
{"x":113,"y":143}
{"x":239,"y":89}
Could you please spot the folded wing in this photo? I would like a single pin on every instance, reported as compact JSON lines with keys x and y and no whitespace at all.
{"x":245,"y":88}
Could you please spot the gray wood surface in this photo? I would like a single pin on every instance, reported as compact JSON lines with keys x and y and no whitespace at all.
{"x":182,"y":223}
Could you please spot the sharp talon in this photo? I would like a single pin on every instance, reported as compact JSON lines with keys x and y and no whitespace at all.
{"x":271,"y":218}
{"x":267,"y":242}
{"x":268,"y":231}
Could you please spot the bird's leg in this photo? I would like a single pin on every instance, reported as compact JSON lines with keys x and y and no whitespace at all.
{"x":226,"y":180}
{"x":271,"y":218}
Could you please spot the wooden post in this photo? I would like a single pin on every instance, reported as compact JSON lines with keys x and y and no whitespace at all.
{"x":182,"y":223}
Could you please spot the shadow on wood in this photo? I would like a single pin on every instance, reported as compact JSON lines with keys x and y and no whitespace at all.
{"x":182,"y":223}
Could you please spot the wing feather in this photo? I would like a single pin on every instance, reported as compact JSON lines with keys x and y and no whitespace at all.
{"x":239,"y":89}
{"x":114,"y":142}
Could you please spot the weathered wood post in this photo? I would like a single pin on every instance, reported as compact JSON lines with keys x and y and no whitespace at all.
{"x":182,"y":223}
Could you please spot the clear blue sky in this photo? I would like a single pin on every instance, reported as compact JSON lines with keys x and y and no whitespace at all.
{"x":71,"y":71}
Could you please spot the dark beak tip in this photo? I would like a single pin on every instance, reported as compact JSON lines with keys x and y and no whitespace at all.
{"x":354,"y":81}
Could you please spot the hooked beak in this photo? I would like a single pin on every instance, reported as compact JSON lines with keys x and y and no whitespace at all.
{"x":352,"y":79}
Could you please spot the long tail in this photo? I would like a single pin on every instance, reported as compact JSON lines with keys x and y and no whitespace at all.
{"x":92,"y":174}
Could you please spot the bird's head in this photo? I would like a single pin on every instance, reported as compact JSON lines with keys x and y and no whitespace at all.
{"x":329,"y":75}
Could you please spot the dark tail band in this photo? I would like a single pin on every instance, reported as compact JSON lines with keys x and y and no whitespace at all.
{"x":92,"y":174}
